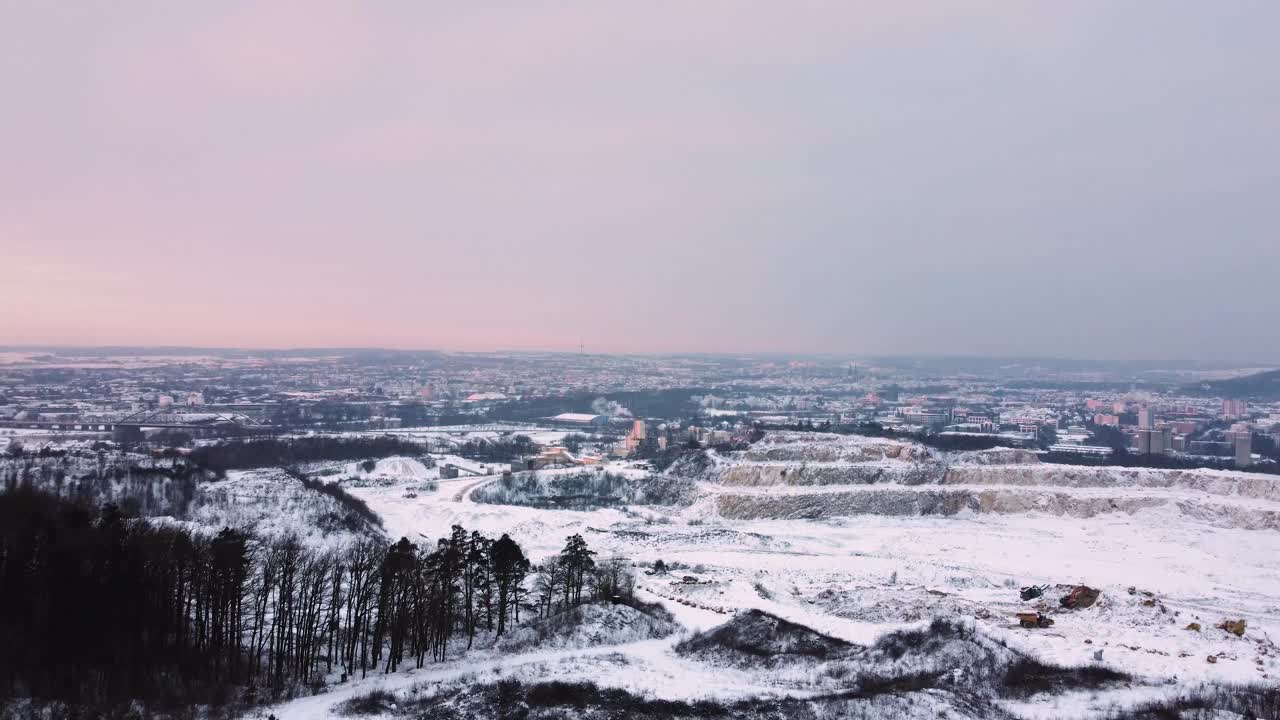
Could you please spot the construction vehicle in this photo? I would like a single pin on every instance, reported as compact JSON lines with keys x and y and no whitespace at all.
{"x":1081,"y":596}
{"x":1034,"y":620}
{"x":1032,"y":592}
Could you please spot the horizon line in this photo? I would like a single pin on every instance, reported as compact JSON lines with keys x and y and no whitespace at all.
{"x":679,"y":353}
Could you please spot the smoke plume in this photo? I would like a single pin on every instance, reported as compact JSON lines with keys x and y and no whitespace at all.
{"x":601,"y":406}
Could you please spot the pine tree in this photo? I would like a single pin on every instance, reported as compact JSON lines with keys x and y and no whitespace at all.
{"x":507,"y":559}
{"x":577,"y":562}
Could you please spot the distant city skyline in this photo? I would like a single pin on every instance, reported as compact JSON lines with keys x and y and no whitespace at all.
{"x":1074,"y":180}
{"x":1233,"y":367}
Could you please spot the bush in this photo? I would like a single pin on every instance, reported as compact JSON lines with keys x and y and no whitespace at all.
{"x":873,"y":684}
{"x":584,"y":694}
{"x":760,"y":635}
{"x":1028,"y":677}
{"x":592,"y":624}
{"x":374,"y":702}
{"x":897,"y":644}
{"x":1211,"y":702}
{"x":360,"y":511}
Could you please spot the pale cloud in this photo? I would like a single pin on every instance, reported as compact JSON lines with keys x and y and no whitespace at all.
{"x":981,"y":177}
{"x":291,"y":48}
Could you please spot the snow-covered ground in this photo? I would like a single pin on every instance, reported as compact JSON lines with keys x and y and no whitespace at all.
{"x":269,"y":503}
{"x":860,"y":576}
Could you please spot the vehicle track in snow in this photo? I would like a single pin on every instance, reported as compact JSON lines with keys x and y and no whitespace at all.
{"x":464,"y":495}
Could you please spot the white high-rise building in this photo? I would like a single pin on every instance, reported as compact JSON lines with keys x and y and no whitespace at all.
{"x":1244,"y":449}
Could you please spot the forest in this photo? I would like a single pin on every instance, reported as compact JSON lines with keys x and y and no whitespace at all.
{"x":248,"y":454}
{"x":98,"y":609}
{"x":138,"y":484}
{"x":500,"y":450}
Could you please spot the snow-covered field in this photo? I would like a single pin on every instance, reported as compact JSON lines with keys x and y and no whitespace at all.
{"x":860,"y":576}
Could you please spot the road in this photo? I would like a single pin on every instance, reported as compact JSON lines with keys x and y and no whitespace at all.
{"x":464,"y":495}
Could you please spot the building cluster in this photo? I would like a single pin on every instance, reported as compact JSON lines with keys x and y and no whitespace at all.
{"x":1016,"y":404}
{"x":1180,"y":428}
{"x":711,"y":437}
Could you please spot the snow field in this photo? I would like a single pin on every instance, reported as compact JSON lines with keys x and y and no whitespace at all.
{"x":859,"y":577}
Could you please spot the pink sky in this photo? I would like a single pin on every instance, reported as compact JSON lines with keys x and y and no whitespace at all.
{"x":843,"y":176}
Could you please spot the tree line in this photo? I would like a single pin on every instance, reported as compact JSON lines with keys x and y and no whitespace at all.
{"x":947,"y":443}
{"x":1121,"y":457}
{"x":502,"y":450}
{"x":269,"y":452}
{"x":96,"y":608}
{"x":139,"y":485}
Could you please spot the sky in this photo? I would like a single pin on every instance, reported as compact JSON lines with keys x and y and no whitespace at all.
{"x":1080,"y":179}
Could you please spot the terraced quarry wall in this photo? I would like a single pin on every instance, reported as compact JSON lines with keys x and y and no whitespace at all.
{"x":807,"y":474}
{"x":1213,"y":482}
{"x":814,"y":476}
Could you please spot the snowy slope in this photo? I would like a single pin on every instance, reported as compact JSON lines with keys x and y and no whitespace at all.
{"x":880,"y":556}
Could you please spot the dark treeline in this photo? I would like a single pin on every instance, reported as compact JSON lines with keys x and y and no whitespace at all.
{"x":951,"y":443}
{"x":530,"y":409}
{"x":1263,"y":386}
{"x":96,"y":609}
{"x":664,"y":403}
{"x":240,"y":455}
{"x":503,"y":450}
{"x":360,"y":517}
{"x":1124,"y":458}
{"x":151,"y":489}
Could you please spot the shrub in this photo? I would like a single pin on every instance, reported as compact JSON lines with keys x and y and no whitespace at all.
{"x":374,"y":702}
{"x":1028,"y":676}
{"x":357,"y":507}
{"x":1210,"y":702}
{"x":897,"y":644}
{"x":760,"y":635}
